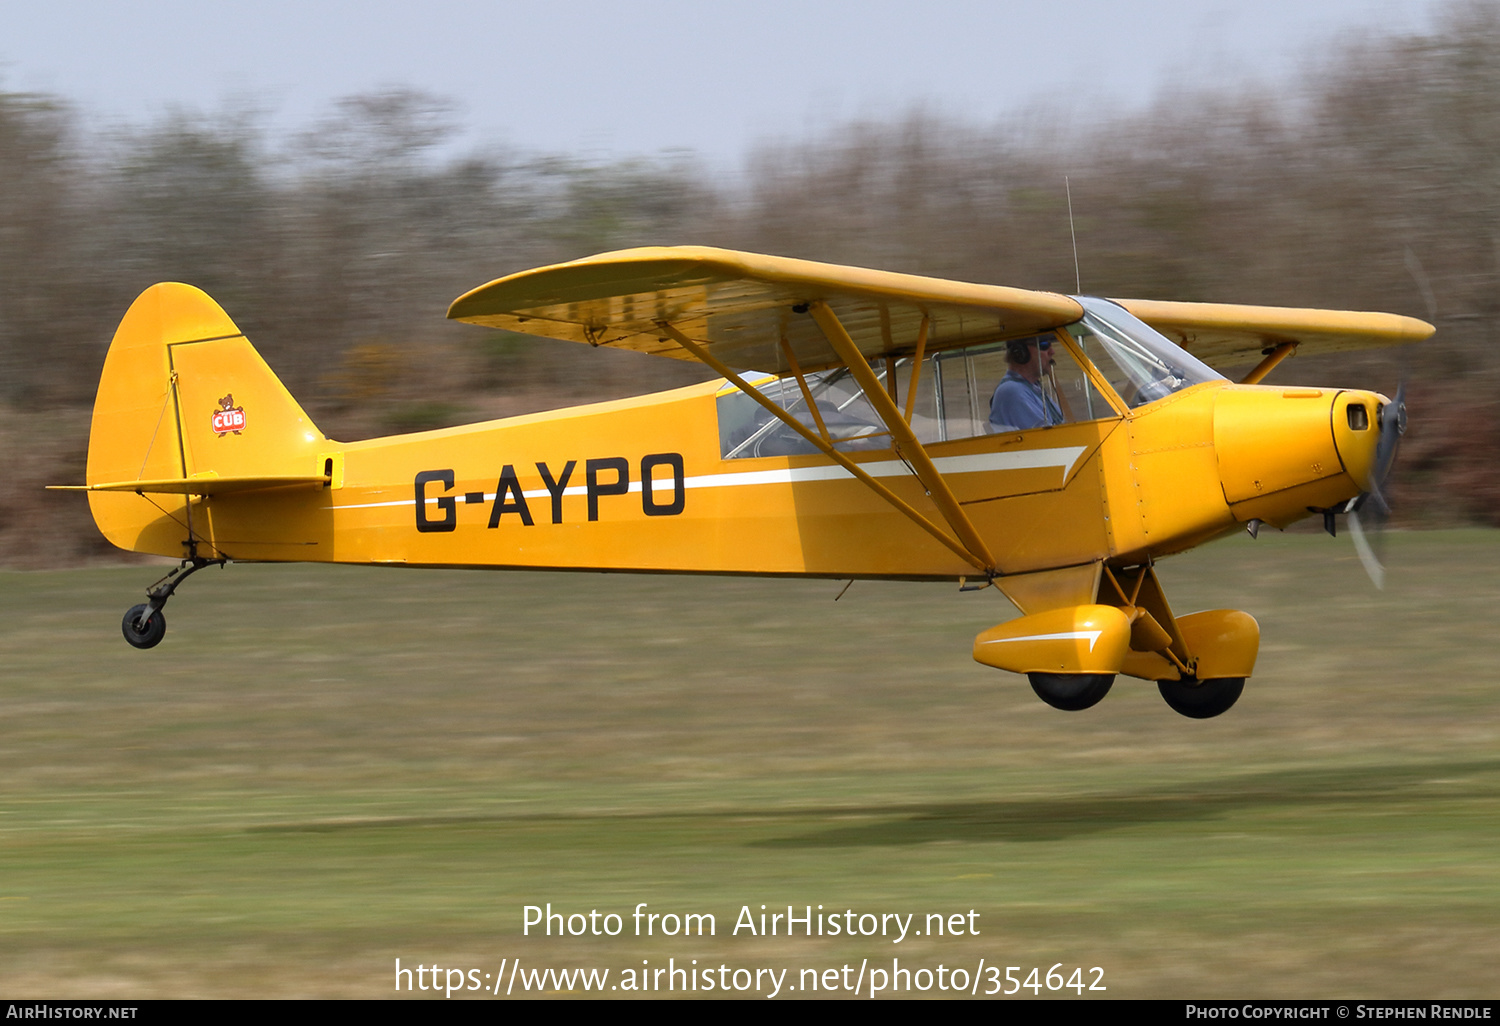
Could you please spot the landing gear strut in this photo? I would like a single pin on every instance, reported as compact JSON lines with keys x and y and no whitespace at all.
{"x":145,"y":625}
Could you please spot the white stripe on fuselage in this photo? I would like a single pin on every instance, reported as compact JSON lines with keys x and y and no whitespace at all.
{"x":987,"y":462}
{"x":1093,"y":637}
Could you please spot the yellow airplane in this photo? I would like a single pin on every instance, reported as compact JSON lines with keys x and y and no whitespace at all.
{"x":866,"y":424}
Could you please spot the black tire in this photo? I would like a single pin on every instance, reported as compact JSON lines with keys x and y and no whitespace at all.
{"x":148,"y":636}
{"x":1201,"y":700}
{"x":1071,"y":691}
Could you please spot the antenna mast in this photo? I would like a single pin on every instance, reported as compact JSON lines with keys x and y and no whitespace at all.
{"x":1077,"y":276}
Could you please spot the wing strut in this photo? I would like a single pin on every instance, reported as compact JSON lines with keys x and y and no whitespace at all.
{"x":807,"y":396}
{"x":916,"y":367}
{"x":1274,"y":355}
{"x":905,"y":439}
{"x":702,"y":354}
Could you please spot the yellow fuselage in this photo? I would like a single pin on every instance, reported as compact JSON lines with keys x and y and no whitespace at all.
{"x":640,"y":485}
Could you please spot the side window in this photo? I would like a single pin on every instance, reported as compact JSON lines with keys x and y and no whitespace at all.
{"x":957,"y":402}
{"x":1076,"y":394}
{"x":1017,"y":385}
{"x":747,"y":429}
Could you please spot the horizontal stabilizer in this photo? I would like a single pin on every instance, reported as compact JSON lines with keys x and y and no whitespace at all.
{"x":204,"y":485}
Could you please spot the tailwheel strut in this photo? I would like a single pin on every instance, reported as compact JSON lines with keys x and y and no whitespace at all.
{"x":145,"y":625}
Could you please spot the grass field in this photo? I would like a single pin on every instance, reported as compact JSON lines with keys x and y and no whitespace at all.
{"x":324,"y":769}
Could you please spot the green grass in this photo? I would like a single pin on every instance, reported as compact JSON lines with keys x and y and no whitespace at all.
{"x":323,"y":769}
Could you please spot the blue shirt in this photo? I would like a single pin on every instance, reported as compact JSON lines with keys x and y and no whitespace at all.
{"x":1020,"y":404}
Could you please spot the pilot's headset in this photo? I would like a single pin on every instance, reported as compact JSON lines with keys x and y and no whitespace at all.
{"x":1018,"y":351}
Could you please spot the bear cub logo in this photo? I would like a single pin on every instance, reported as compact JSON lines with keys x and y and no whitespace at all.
{"x":228,"y":417}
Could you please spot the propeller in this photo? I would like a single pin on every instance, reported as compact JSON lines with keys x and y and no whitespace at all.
{"x":1375,"y":502}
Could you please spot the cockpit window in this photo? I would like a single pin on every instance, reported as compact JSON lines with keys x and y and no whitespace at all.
{"x":1017,"y":385}
{"x":1021,"y":384}
{"x":746,"y":429}
{"x":1014,"y":385}
{"x":1139,"y":362}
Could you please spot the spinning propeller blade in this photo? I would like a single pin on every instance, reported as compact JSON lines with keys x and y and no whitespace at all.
{"x":1392,"y":420}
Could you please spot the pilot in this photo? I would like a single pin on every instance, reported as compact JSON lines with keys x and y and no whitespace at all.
{"x":1019,"y":401}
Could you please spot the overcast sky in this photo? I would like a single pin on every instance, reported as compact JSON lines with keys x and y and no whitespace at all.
{"x":604,"y":78}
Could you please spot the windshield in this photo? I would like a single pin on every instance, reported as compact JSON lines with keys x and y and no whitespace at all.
{"x":1140,"y":363}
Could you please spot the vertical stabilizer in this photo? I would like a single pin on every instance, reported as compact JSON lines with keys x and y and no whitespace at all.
{"x":183,"y":394}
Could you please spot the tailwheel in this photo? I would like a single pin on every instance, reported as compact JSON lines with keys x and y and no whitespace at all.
{"x":1071,"y":691}
{"x":143,"y":626}
{"x":1201,"y":700}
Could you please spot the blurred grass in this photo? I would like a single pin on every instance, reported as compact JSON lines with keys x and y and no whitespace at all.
{"x":323,"y":769}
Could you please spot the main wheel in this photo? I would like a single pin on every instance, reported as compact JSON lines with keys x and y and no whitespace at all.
{"x":1201,"y":700}
{"x":149,"y":635}
{"x":1071,"y":691}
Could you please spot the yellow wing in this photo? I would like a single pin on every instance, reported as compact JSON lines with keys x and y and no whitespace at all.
{"x":741,"y":305}
{"x":1227,"y":335}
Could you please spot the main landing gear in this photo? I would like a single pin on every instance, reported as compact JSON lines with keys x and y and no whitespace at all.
{"x":1072,"y":654}
{"x":145,"y":625}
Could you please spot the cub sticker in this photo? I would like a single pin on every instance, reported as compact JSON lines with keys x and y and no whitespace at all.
{"x":228,"y":417}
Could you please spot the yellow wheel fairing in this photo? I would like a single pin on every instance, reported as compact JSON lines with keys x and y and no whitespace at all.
{"x":1079,"y":639}
{"x":1225,"y":642}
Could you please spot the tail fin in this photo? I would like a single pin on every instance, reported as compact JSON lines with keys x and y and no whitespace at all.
{"x":186,"y":407}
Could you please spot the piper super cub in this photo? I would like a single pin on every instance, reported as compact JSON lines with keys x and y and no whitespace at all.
{"x":865,"y":424}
